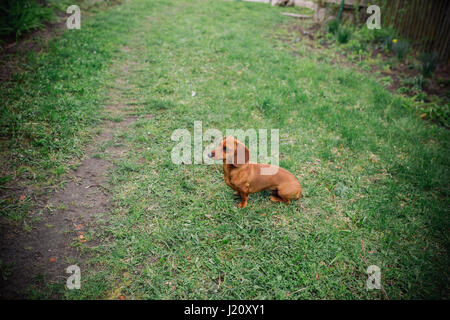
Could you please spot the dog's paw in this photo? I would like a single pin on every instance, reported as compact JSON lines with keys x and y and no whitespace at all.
{"x":275,"y":199}
{"x":242,"y":205}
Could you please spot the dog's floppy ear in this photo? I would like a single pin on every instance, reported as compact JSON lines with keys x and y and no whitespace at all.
{"x":241,"y":154}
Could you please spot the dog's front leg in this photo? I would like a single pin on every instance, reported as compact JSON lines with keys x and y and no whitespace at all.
{"x":244,"y":197}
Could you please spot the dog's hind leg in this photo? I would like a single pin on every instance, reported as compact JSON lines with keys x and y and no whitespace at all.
{"x":275,"y":197}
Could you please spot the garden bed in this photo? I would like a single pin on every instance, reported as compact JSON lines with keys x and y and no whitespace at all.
{"x":369,"y":51}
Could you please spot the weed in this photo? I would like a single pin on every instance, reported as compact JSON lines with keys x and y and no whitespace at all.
{"x":384,"y":35}
{"x":386,"y":81}
{"x":343,"y":35}
{"x":356,"y":46}
{"x":400,"y":48}
{"x":436,"y":111}
{"x":429,"y":63}
{"x":416,"y":82}
{"x":333,"y":26}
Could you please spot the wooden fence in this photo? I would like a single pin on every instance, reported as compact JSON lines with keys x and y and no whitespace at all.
{"x":424,"y":22}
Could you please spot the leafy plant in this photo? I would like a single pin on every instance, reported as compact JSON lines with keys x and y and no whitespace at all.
{"x":333,"y":26}
{"x":437,"y":112}
{"x":429,"y":63}
{"x":388,"y":41}
{"x":383,"y":34}
{"x":343,"y":35}
{"x":356,"y":46}
{"x":403,"y":90}
{"x":386,"y":81}
{"x":20,"y":16}
{"x":417,"y":82}
{"x":400,"y":48}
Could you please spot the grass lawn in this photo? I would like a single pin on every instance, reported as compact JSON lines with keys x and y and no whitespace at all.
{"x":375,"y":177}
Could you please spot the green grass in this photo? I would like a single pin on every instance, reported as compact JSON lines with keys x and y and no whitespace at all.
{"x":22,"y":16}
{"x":49,"y":106}
{"x":374,"y":175}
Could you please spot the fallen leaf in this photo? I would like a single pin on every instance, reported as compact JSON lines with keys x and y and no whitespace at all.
{"x":82,"y":239}
{"x":53,"y":259}
{"x":122,"y":298}
{"x":22,"y":198}
{"x":317,"y":276}
{"x":78,"y":227}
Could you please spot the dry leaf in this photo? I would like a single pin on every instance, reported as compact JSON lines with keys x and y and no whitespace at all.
{"x":82,"y":239}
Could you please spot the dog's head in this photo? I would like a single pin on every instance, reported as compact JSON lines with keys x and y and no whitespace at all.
{"x":232,"y":151}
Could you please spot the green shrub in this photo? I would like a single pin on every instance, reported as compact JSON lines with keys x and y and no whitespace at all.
{"x":356,"y":46}
{"x":383,"y":34}
{"x":429,"y":63}
{"x":333,"y":26}
{"x":400,"y":48}
{"x":21,"y":16}
{"x":343,"y":35}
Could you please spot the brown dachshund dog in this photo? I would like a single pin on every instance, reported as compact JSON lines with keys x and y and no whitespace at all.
{"x":245,"y":177}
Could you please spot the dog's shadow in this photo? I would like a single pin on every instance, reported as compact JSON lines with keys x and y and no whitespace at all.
{"x":258,"y":197}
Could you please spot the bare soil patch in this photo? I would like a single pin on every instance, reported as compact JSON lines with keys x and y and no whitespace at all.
{"x":37,"y":258}
{"x":40,"y":257}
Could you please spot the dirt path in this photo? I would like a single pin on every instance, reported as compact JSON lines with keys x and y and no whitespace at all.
{"x":38,"y":259}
